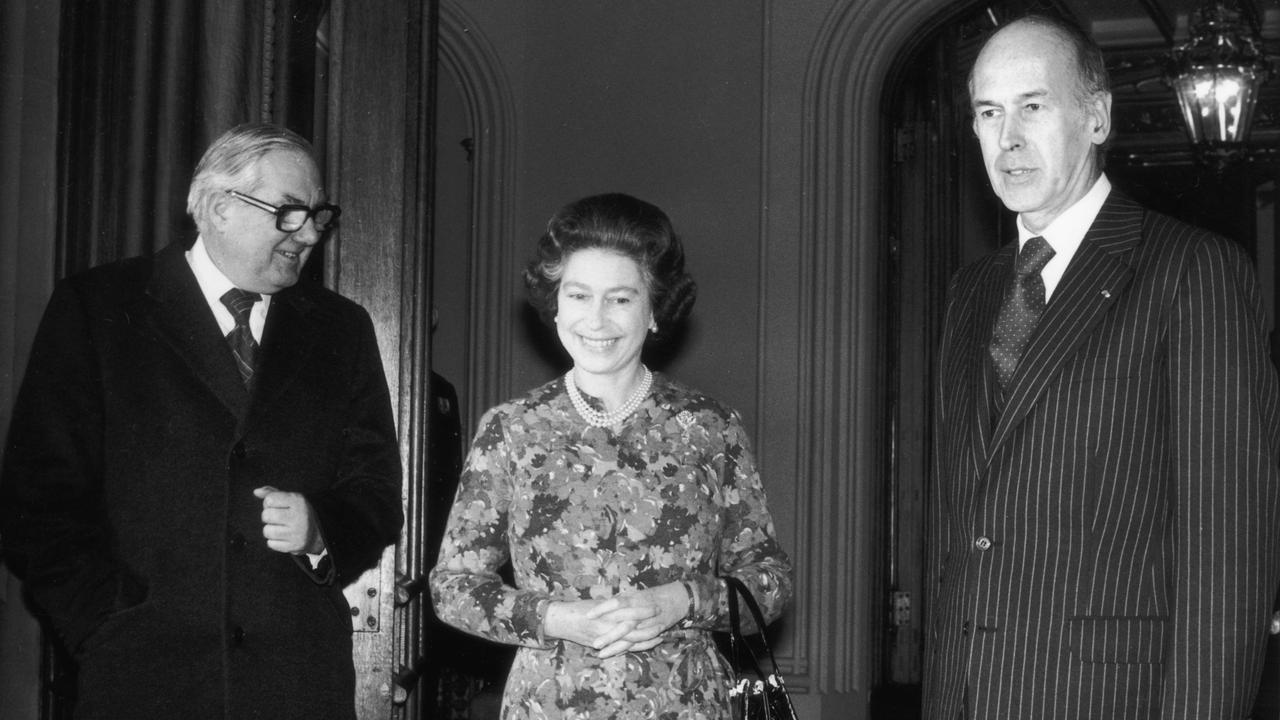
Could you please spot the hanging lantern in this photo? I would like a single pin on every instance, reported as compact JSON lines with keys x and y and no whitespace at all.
{"x":1217,"y":74}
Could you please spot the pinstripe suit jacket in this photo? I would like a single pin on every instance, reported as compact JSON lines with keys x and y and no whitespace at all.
{"x":1107,"y":544}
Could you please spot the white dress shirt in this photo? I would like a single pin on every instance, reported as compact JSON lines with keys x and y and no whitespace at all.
{"x":213,"y":284}
{"x":1066,"y":232}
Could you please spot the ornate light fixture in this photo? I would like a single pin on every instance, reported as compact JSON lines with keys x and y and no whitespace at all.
{"x":1217,"y":74}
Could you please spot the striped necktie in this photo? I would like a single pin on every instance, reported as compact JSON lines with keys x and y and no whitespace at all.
{"x":243,"y":346}
{"x":1021,"y":310}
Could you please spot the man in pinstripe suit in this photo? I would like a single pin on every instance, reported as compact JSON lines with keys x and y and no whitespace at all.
{"x":1106,"y":534}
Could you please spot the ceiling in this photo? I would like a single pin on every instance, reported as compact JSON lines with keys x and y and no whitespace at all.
{"x":1148,"y":127}
{"x":1145,"y":22}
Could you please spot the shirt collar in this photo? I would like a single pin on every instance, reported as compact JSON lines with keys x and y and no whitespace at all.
{"x":213,"y":285}
{"x":1067,"y":231}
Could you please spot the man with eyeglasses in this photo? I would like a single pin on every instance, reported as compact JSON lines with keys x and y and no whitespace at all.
{"x":203,"y":454}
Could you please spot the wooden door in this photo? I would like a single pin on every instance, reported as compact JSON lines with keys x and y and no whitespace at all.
{"x":379,"y":131}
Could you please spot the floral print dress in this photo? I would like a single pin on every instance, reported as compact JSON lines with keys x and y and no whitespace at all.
{"x":670,"y":493}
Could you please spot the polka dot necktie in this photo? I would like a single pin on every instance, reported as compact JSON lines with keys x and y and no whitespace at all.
{"x":1021,"y":310}
{"x":243,"y":346}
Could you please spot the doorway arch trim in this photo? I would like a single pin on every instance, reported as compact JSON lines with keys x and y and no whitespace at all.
{"x":844,"y":253}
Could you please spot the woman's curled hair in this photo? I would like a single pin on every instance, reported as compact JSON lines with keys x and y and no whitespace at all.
{"x":625,"y":225}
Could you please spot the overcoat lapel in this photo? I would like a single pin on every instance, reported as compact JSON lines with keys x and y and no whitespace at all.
{"x":287,"y":344}
{"x":179,"y":318}
{"x":1097,"y":277}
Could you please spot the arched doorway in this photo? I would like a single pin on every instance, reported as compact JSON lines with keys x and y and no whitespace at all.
{"x":474,"y":151}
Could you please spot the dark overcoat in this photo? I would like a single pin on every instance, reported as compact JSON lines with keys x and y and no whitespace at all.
{"x":1106,"y":544}
{"x":127,"y":494}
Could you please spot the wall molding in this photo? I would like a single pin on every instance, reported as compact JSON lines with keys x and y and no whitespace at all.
{"x":842,"y":433}
{"x":469,"y":56}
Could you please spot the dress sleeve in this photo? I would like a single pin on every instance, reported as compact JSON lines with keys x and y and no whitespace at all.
{"x":466,"y":587}
{"x":749,"y":548}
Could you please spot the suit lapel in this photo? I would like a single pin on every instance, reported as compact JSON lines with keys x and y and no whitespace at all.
{"x":965,"y":376}
{"x":1096,"y":278}
{"x":981,"y":379}
{"x":180,"y":318}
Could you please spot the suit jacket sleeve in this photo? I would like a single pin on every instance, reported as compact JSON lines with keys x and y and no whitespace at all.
{"x":1222,"y":387}
{"x":935,"y":532}
{"x":360,"y":512}
{"x":55,"y":530}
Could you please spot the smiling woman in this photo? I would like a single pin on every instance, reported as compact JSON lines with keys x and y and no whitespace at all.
{"x":603,"y":318}
{"x":620,"y":496}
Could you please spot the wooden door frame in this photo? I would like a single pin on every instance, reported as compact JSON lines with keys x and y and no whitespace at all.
{"x":379,"y":138}
{"x":938,"y":215}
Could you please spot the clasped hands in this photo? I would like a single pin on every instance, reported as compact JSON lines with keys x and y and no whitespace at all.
{"x":630,"y":621}
{"x":287,"y":522}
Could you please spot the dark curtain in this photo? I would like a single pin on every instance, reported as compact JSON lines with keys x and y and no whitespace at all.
{"x":144,"y":86}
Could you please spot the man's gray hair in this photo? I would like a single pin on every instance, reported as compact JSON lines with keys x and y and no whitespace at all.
{"x":231,"y":162}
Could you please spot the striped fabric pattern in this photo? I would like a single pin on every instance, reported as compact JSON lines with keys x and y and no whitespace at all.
{"x":1107,"y":543}
{"x":240,"y":303}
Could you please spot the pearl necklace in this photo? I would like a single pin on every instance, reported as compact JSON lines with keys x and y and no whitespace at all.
{"x":594,"y":417}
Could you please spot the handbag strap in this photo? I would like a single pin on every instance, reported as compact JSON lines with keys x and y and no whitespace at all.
{"x":743,"y":658}
{"x":737,"y":641}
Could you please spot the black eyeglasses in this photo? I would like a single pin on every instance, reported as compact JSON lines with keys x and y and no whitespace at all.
{"x":291,"y":218}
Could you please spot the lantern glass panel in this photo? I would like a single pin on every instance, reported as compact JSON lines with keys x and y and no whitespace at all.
{"x":1217,"y":101}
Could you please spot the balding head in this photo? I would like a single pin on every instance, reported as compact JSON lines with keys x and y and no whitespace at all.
{"x":1039,"y":117}
{"x":1086,"y":60}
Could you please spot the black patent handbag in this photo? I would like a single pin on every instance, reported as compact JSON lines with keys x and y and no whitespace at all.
{"x":755,"y":695}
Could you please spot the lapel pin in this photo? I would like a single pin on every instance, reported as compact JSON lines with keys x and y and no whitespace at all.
{"x":1106,"y":293}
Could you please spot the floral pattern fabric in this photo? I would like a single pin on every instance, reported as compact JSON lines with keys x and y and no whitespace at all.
{"x":671,"y":493}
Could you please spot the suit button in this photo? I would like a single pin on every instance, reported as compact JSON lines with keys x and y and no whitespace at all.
{"x":237,"y":635}
{"x":966,"y":627}
{"x":983,"y":543}
{"x":238,"y":451}
{"x":237,"y":541}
